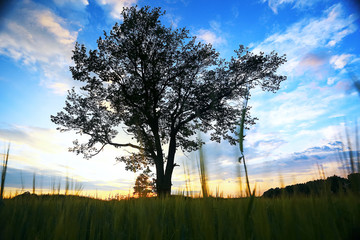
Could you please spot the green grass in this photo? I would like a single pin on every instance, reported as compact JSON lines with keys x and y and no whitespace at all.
{"x":328,"y":217}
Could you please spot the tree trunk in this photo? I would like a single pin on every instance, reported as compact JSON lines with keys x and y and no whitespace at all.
{"x":163,"y":185}
{"x":165,"y":189}
{"x":163,"y":182}
{"x":160,"y":178}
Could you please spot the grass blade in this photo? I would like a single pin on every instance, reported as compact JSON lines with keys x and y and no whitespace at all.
{"x":3,"y":172}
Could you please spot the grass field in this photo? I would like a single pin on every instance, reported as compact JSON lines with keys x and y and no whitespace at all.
{"x":71,"y":217}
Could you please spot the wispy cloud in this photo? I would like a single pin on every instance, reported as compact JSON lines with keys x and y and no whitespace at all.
{"x":305,"y":103}
{"x":172,"y":19}
{"x":309,"y":34}
{"x":312,"y":60}
{"x":41,"y":40}
{"x":32,"y":137}
{"x":51,"y":24}
{"x":340,"y":61}
{"x":275,"y":4}
{"x":331,"y":80}
{"x":293,"y":121}
{"x":80,"y":3}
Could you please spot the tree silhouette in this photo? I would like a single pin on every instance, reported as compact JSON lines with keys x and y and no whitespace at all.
{"x":143,"y":185}
{"x":161,"y":86}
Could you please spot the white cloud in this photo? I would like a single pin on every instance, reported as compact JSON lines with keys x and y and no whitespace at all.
{"x":331,"y":43}
{"x":214,"y":35}
{"x":215,"y":25}
{"x":340,"y":61}
{"x":331,"y":80}
{"x":173,"y":20}
{"x":307,"y":35}
{"x":73,"y":2}
{"x":57,"y":87}
{"x":51,"y":24}
{"x":209,"y":36}
{"x":294,"y":107}
{"x":290,"y":112}
{"x":116,"y":6}
{"x":275,"y":4}
{"x":337,"y":38}
{"x":41,"y":40}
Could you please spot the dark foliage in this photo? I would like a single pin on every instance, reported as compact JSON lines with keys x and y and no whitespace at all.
{"x":161,"y":86}
{"x":333,"y":185}
{"x":29,"y":196}
{"x":144,"y":185}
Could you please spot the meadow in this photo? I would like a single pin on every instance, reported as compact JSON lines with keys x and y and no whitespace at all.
{"x":177,"y":217}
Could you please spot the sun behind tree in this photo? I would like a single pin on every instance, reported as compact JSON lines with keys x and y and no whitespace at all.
{"x":162,"y":86}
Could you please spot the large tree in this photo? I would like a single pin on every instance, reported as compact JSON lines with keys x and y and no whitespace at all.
{"x":161,"y":86}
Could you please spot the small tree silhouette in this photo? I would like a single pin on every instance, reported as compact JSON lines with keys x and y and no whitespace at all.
{"x":143,"y":185}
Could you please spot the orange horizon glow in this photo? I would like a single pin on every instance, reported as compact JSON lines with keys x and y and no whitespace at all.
{"x":229,"y":188}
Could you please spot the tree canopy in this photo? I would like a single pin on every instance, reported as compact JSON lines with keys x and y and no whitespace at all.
{"x":161,"y":86}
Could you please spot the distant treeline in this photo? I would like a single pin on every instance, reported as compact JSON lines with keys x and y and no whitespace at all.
{"x":333,"y":185}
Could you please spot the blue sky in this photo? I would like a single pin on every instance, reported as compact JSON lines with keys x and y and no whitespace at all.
{"x":298,"y":127}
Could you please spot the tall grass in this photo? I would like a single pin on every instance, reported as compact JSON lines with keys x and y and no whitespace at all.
{"x":34,"y":183}
{"x":203,"y":174}
{"x":3,"y":171}
{"x":180,"y":218}
{"x":349,"y":156}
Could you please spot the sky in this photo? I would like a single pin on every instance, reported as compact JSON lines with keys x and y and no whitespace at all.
{"x":298,"y":130}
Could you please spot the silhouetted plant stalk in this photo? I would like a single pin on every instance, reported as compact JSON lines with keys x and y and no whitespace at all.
{"x":321,"y":171}
{"x":241,"y":141}
{"x":34,"y":183}
{"x":349,"y":157}
{"x":3,"y":172}
{"x":357,"y":144}
{"x":67,"y":185}
{"x":203,"y":174}
{"x":22,"y":182}
{"x":350,"y":154}
{"x":78,"y":187}
{"x":248,"y":217}
{"x":187,"y":180}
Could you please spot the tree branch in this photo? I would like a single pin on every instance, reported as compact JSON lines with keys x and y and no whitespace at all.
{"x":98,"y":151}
{"x":125,"y":145}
